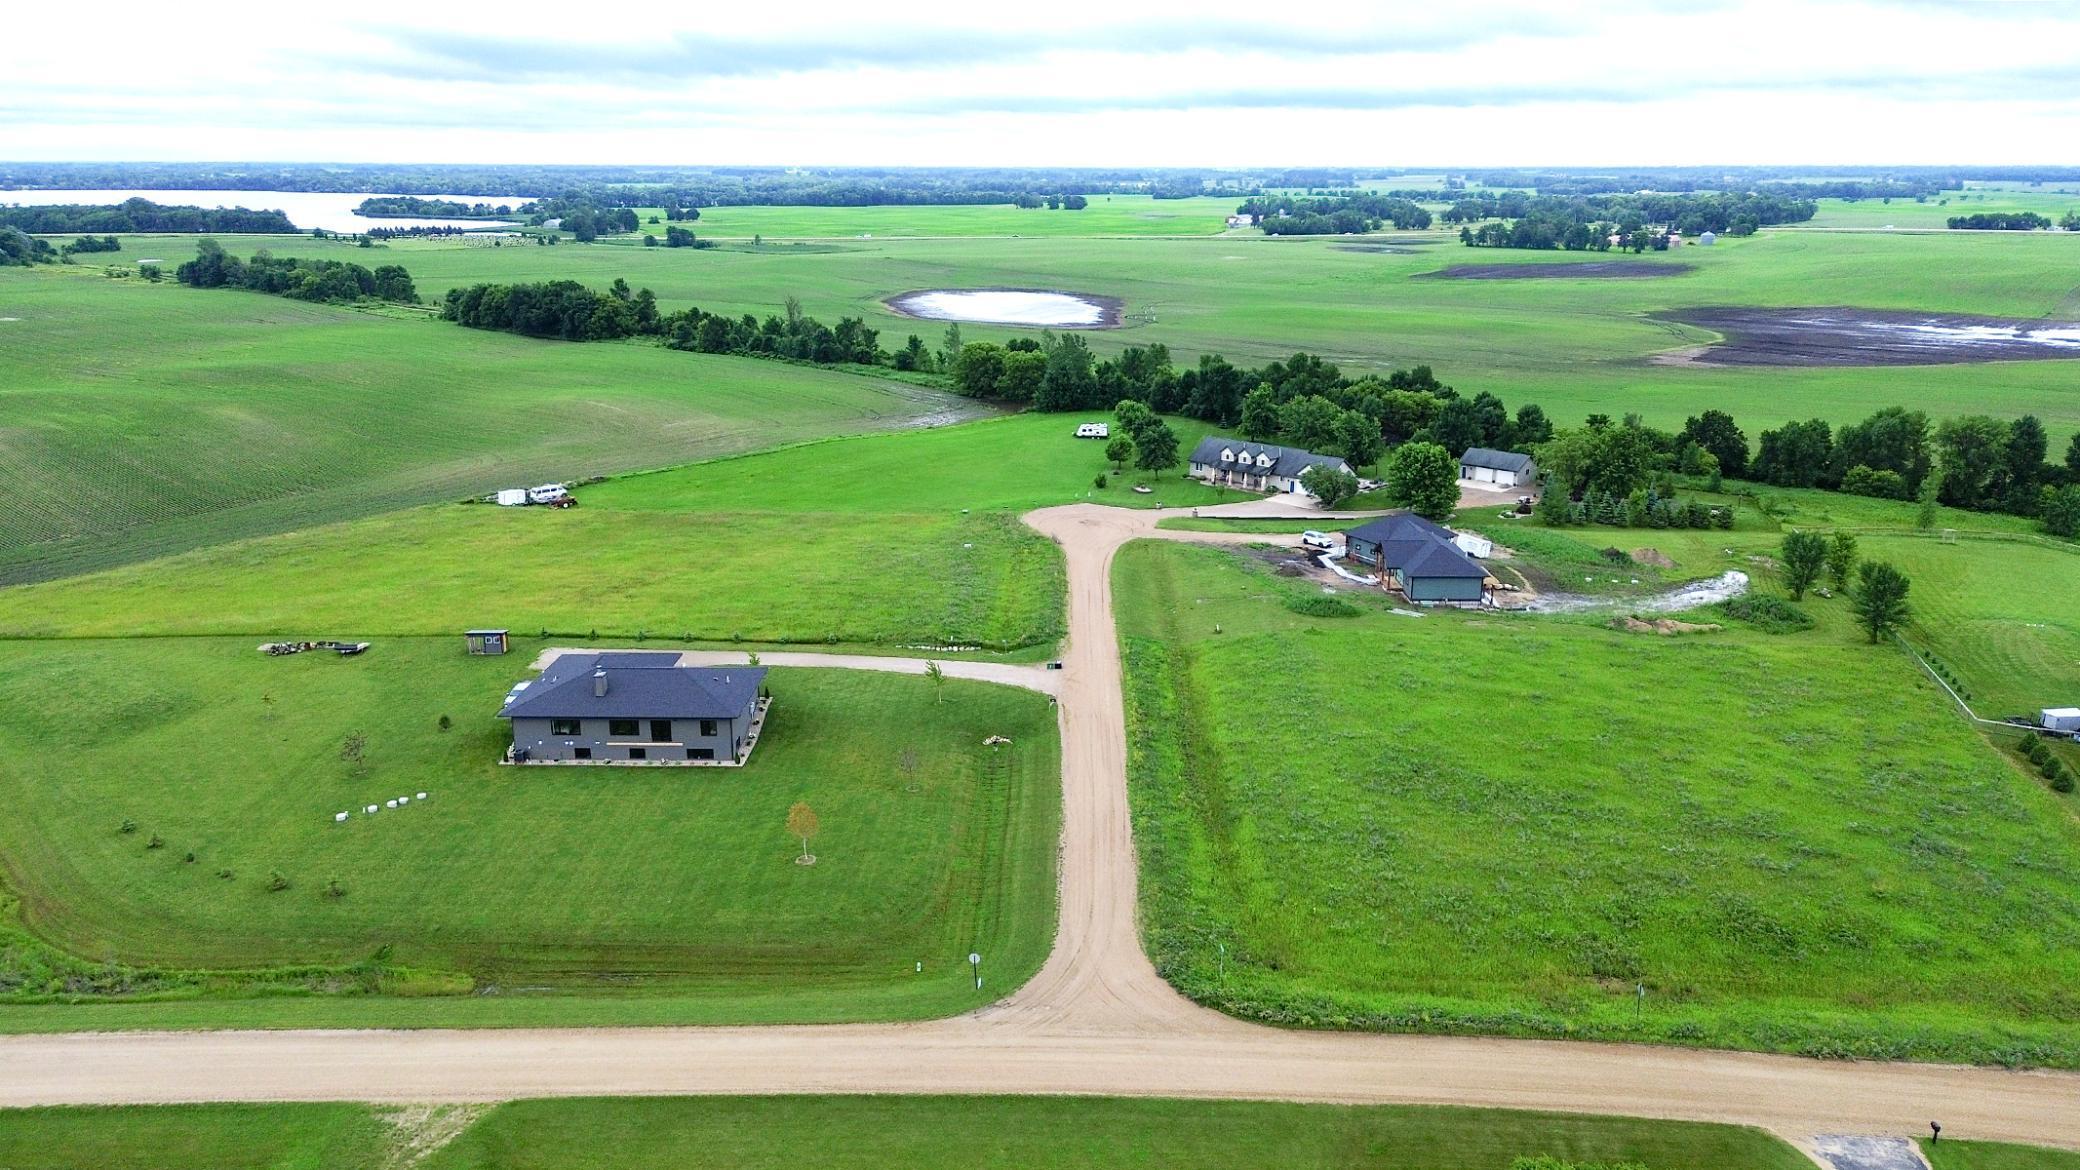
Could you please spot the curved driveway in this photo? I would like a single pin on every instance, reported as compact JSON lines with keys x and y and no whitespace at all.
{"x":1097,"y":1019}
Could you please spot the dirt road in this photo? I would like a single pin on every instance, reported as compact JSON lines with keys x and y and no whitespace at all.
{"x":1096,"y":1019}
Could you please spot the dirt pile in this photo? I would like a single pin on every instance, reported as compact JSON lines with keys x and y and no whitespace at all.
{"x":1664,"y":626}
{"x":1652,"y":556}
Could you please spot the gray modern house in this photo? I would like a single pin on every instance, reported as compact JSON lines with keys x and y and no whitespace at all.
{"x":1418,"y":559}
{"x":1257,"y":467}
{"x":636,"y":707}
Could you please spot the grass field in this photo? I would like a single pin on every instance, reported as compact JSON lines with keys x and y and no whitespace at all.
{"x":1575,"y":347}
{"x":1967,"y":1155}
{"x":193,"y":1137}
{"x":751,"y":1133}
{"x":894,"y":540}
{"x":1936,"y":211}
{"x":140,"y":420}
{"x":1790,"y":842}
{"x":932,"y":846}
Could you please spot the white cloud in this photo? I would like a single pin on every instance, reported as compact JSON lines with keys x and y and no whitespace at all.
{"x":1211,"y":82}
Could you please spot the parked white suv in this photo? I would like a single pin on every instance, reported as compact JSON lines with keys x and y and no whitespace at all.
{"x":1317,"y":540}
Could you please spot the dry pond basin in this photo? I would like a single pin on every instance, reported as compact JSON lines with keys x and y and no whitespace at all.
{"x":1050,"y":308}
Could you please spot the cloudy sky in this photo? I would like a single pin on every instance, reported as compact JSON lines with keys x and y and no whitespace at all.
{"x":1204,"y":83}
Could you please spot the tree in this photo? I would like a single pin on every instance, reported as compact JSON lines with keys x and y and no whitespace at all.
{"x":978,"y":369}
{"x":1532,"y":425}
{"x":1971,"y":451}
{"x":1424,"y":478}
{"x":352,"y":750}
{"x":2072,"y":449}
{"x":1925,"y":515}
{"x":2022,"y":466}
{"x":1803,"y":555}
{"x":1023,"y":377}
{"x":937,"y":675}
{"x":950,"y":346}
{"x":1329,"y":484}
{"x":1880,"y":600}
{"x":1457,"y":427}
{"x":1309,"y":422}
{"x":1155,"y":447}
{"x":1066,"y":383}
{"x":1358,"y":438}
{"x":1894,"y":439}
{"x":1841,"y":559}
{"x":1260,"y":414}
{"x":1118,"y":451}
{"x":2059,"y":508}
{"x":1796,"y":455}
{"x":802,"y":824}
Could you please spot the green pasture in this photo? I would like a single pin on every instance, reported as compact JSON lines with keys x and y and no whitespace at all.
{"x":1511,"y":823}
{"x":1573,"y":346}
{"x":1073,"y":1133}
{"x":894,"y":540}
{"x":193,"y":1137}
{"x":228,"y":767}
{"x":1936,"y":211}
{"x":1952,"y":1154}
{"x":139,"y":420}
{"x":1107,"y":215}
{"x":755,"y":1133}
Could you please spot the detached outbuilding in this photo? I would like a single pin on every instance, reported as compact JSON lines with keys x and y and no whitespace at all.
{"x":1484,"y":465}
{"x":636,"y":707}
{"x":2060,"y":718}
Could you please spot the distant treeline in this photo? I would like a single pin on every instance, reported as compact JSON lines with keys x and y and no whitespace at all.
{"x":391,"y":233}
{"x":412,"y":205}
{"x":1725,"y":213}
{"x":140,"y":215}
{"x":2001,"y":221}
{"x":1289,"y":215}
{"x":330,"y":281}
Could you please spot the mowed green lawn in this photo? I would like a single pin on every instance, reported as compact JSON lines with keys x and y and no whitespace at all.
{"x":752,"y":1133}
{"x":525,"y":880}
{"x":1510,"y":824}
{"x":908,"y":539}
{"x":194,"y":1137}
{"x":139,"y":420}
{"x":1575,"y":346}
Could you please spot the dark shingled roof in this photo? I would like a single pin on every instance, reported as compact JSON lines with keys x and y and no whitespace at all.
{"x":1415,"y":546}
{"x":1285,"y":461}
{"x":640,"y":685}
{"x":1509,"y":461}
{"x":1399,"y":526}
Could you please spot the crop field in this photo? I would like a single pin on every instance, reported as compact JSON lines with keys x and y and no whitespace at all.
{"x":195,"y":417}
{"x":893,"y":540}
{"x":1905,"y":213}
{"x":193,"y":828}
{"x":1788,"y":842}
{"x":756,"y":1133}
{"x":1107,"y":215}
{"x":1575,"y":346}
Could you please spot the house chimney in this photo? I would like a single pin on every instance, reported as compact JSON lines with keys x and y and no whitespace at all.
{"x":599,"y":684}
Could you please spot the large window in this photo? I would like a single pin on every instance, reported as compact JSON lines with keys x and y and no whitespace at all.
{"x":627,"y":727}
{"x":563,"y":727}
{"x":707,"y":727}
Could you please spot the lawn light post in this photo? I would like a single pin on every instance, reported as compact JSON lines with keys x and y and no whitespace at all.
{"x":975,"y":965}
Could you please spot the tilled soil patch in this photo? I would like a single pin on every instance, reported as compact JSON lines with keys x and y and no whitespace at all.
{"x":1836,"y":336}
{"x":1583,"y":270}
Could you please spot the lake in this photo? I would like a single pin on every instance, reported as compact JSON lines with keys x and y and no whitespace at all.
{"x":333,"y":211}
{"x":1010,"y":306}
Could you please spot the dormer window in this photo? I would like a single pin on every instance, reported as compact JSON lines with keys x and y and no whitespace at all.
{"x":1263,"y":461}
{"x":1227,"y":455}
